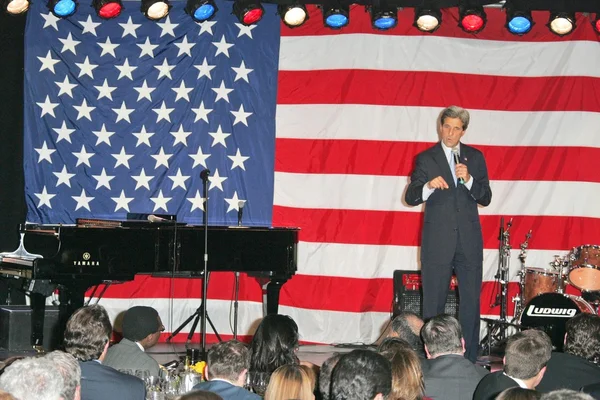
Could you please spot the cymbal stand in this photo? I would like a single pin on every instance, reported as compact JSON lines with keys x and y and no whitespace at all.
{"x":559,"y":264}
{"x":497,"y":329}
{"x":519,"y":299}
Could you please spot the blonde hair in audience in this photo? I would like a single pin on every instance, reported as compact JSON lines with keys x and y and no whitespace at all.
{"x":407,"y":376}
{"x":6,"y":396}
{"x":291,"y":381}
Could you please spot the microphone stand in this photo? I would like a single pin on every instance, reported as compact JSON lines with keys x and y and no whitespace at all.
{"x":204,"y":175}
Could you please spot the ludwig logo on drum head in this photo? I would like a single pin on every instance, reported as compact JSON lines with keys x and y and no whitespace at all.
{"x":534,"y":311}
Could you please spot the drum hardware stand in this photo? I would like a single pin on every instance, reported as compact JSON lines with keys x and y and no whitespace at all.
{"x":497,"y":328}
{"x":518,"y":299}
{"x":559,"y":265}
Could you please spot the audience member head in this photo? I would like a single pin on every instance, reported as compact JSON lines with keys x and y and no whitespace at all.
{"x":200,"y":395}
{"x":392,"y":344}
{"x":407,"y":325}
{"x":291,"y":381}
{"x":88,"y":332}
{"x":442,"y":335}
{"x":4,"y":364}
{"x":69,"y":369}
{"x":361,"y":375}
{"x":6,"y":396}
{"x":582,"y":336}
{"x":526,"y":356}
{"x":228,"y":360}
{"x":407,"y":376}
{"x":274,"y":343}
{"x":143,"y":325}
{"x":32,"y":378}
{"x":519,"y":393}
{"x":566,"y":394}
{"x":325,"y":375}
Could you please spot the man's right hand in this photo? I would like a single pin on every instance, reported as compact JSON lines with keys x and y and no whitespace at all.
{"x":437,"y":183}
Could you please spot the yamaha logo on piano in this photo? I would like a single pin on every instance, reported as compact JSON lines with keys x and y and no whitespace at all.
{"x":86,"y":261}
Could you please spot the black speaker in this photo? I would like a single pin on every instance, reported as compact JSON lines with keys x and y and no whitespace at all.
{"x":408,"y":294}
{"x":15,"y":328}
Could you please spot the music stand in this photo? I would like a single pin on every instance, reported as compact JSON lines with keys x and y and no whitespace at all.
{"x":200,"y":313}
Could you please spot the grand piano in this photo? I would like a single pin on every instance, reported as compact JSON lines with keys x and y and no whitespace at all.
{"x":74,"y":258}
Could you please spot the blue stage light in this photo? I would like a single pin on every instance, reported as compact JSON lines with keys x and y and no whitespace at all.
{"x":204,"y":12}
{"x":336,"y":15}
{"x":62,"y":8}
{"x":519,"y":25}
{"x":201,"y":10}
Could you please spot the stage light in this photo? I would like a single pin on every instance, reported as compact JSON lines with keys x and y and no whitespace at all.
{"x":561,"y":23}
{"x":336,"y":15}
{"x":107,"y":9}
{"x":472,"y":18}
{"x":518,"y":17}
{"x":201,"y":10}
{"x":292,"y":15}
{"x":15,"y":7}
{"x":62,"y":8}
{"x":596,"y":22}
{"x":427,"y":19}
{"x":155,"y":9}
{"x":248,"y":12}
{"x":383,"y":16}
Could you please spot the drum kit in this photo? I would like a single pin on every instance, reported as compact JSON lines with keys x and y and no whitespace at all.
{"x":542,"y":302}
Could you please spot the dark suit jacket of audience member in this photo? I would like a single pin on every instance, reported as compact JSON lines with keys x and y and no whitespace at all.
{"x":492,"y":384}
{"x":451,"y":377}
{"x":593,"y":390}
{"x":99,"y":382}
{"x":227,"y":390}
{"x":127,"y":355}
{"x":566,"y":370}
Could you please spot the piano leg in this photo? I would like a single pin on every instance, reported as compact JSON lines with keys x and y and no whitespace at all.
{"x":71,"y":298}
{"x":271,"y":303}
{"x":38,"y":310}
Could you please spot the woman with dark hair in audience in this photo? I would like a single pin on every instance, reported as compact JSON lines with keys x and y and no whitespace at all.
{"x":274,"y":344}
{"x":407,"y":376}
{"x":519,"y":393}
{"x":291,"y":381}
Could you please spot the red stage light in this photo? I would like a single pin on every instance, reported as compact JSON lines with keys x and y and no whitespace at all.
{"x":253,"y":16}
{"x":110,"y":10}
{"x":472,"y":23}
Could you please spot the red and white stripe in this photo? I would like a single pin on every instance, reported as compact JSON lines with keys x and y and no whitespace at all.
{"x":354,"y":108}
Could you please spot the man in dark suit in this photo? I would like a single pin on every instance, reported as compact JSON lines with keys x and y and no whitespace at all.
{"x":447,"y":373}
{"x":141,"y":330}
{"x":524,"y":365}
{"x":575,"y":367}
{"x":86,"y":338}
{"x":593,"y":390}
{"x":451,"y":237}
{"x":226,"y":370}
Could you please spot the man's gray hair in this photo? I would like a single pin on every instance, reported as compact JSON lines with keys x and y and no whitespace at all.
{"x":566,"y":394}
{"x":69,"y":369}
{"x":527,"y":353}
{"x":442,"y":335}
{"x":227,"y":360}
{"x":456,"y":112}
{"x":32,"y":379}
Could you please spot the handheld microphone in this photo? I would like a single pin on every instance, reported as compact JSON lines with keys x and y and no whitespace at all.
{"x":457,"y":161}
{"x":240,"y":211}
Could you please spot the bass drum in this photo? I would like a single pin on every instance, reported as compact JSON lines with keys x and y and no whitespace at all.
{"x":550,"y":312}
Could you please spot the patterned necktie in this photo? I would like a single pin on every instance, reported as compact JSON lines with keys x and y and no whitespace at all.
{"x":453,"y":167}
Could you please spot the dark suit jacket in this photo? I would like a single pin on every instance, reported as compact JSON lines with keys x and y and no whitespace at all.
{"x":593,"y":390}
{"x":99,"y":382}
{"x":127,"y":355}
{"x":227,"y":391}
{"x":568,"y":371}
{"x":450,"y":209}
{"x":451,"y":377}
{"x":492,"y":384}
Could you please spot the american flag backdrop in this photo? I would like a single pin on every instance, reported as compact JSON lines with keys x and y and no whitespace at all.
{"x":313,"y":128}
